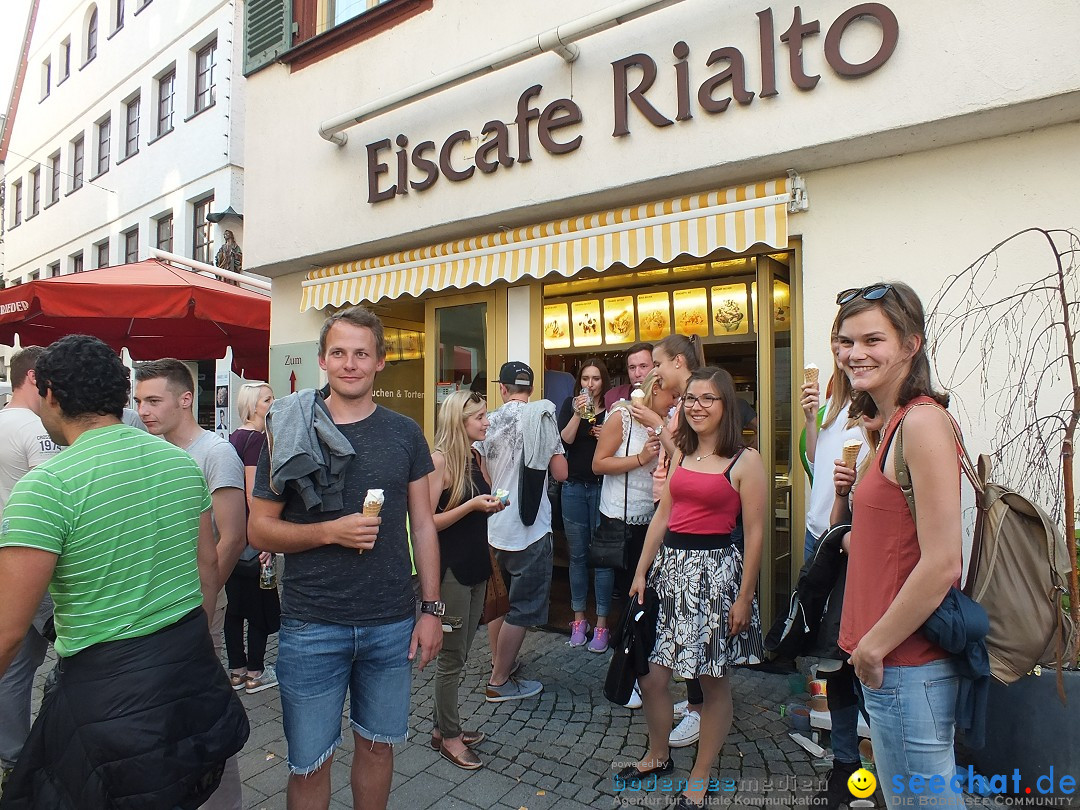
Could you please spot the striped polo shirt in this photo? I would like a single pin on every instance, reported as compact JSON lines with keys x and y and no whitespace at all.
{"x":120,"y":509}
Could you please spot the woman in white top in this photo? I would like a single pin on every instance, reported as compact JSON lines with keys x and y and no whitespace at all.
{"x":825,"y":443}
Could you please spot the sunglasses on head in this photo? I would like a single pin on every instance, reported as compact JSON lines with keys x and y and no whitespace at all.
{"x":475,"y":398}
{"x":871,"y":293}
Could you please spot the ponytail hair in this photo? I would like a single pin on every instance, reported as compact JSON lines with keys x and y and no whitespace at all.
{"x":689,"y":347}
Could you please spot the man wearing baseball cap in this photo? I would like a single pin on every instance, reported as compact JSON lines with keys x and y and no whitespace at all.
{"x":521,"y":448}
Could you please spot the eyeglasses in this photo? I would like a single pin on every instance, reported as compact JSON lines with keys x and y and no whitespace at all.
{"x":706,"y":401}
{"x":871,"y":293}
{"x":475,"y":398}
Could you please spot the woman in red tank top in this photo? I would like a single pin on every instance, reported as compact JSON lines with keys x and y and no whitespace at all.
{"x":900,"y":570}
{"x":708,"y":616}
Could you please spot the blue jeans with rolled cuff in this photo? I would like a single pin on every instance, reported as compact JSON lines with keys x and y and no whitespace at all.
{"x":581,"y":516}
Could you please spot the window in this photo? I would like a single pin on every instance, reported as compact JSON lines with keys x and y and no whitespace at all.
{"x":131,"y":128}
{"x":131,"y":246}
{"x":204,"y":76}
{"x":46,"y":78}
{"x":119,"y":9}
{"x":78,"y":154}
{"x":54,"y":178}
{"x":35,"y":192}
{"x":102,"y":249}
{"x":164,"y":227}
{"x":104,"y":133}
{"x":34,"y":276}
{"x":16,"y":192}
{"x":166,"y":94}
{"x":202,"y":240}
{"x":53,"y":270}
{"x":65,"y":59}
{"x":302,"y":32}
{"x":77,"y":262}
{"x":91,"y":37}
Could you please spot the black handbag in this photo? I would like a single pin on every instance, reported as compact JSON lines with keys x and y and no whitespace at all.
{"x":610,"y":546}
{"x":632,"y":644}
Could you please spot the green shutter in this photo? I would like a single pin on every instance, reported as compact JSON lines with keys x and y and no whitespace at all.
{"x":268,"y":29}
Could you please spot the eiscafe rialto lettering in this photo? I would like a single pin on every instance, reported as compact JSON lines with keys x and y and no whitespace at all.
{"x":634,"y":77}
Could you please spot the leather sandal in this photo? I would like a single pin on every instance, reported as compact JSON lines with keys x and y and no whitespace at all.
{"x":468,"y":760}
{"x":470,"y":738}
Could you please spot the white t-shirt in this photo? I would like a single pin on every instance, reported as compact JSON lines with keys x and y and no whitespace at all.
{"x":24,"y":444}
{"x":502,"y":450}
{"x":829,"y":448}
{"x":638,"y":484}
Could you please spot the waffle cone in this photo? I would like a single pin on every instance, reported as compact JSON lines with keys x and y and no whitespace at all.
{"x":372,"y":509}
{"x":851,"y":454}
{"x":810,"y":375}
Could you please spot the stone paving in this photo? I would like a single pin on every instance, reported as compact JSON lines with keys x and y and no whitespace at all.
{"x":555,"y":750}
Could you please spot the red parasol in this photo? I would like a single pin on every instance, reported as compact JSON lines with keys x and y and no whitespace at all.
{"x":152,"y":308}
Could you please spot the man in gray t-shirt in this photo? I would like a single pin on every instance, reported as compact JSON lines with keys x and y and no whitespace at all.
{"x":347,"y":607}
{"x":164,"y":395}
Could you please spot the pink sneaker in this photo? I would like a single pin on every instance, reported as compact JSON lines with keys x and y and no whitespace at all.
{"x":599,"y":643}
{"x":579,"y":633}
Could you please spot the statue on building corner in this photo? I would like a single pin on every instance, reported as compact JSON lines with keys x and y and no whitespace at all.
{"x":230,"y":257}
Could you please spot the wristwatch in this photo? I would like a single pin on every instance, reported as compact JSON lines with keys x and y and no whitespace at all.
{"x":434,"y":608}
{"x":656,"y":431}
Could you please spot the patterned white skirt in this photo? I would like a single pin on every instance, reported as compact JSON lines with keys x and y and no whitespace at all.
{"x":696,"y":591}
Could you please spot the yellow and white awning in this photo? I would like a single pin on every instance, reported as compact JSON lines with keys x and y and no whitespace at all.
{"x":695,"y":225}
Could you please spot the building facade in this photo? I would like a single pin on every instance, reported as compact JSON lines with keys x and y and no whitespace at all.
{"x":544,"y":183}
{"x":130,"y":131}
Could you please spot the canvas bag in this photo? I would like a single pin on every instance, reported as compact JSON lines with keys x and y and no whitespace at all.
{"x":1018,"y":571}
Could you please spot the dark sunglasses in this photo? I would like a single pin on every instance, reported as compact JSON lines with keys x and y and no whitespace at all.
{"x":871,"y":293}
{"x":474,"y":398}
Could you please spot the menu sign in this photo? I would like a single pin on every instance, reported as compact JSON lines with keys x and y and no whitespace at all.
{"x":412,"y":345}
{"x":586,"y":322}
{"x":729,"y":310}
{"x":556,"y":327}
{"x":392,"y":338}
{"x":654,"y":316}
{"x":619,"y":319}
{"x":691,"y":312}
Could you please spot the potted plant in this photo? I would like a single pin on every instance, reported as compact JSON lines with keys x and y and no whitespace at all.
{"x":1006,"y":327}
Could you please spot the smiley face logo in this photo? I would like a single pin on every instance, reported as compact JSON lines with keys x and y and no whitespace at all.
{"x":862,"y":783}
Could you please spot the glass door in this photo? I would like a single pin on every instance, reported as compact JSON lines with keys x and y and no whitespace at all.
{"x":773,"y":314}
{"x":459,"y":349}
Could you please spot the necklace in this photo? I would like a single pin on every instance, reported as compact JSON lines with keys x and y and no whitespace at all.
{"x":699,"y":458}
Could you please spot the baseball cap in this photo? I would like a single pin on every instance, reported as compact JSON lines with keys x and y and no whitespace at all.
{"x":515,"y":373}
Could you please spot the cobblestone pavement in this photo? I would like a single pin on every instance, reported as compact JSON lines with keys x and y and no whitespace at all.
{"x":555,"y":750}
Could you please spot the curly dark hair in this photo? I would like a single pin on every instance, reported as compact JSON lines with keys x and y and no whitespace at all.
{"x":85,"y":376}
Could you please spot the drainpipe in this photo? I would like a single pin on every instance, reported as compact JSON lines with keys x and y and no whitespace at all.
{"x":559,"y":40}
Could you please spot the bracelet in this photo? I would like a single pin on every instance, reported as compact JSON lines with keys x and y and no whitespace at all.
{"x":640,"y":463}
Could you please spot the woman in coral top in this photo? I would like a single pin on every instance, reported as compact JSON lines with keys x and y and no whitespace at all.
{"x":708,"y":619}
{"x":900,"y":569}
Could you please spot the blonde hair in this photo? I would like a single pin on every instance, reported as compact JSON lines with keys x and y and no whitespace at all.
{"x":453,"y":442}
{"x":247,"y":399}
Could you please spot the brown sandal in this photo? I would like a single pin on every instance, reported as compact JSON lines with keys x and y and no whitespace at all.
{"x":470,"y":738}
{"x":468,"y":760}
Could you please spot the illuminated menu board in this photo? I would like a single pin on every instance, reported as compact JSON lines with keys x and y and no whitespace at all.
{"x":619,"y":319}
{"x":729,"y":315}
{"x":556,"y":327}
{"x":691,"y":312}
{"x":586,"y":323}
{"x":654,"y":316}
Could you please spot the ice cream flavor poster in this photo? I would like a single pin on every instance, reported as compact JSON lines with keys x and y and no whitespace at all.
{"x":556,"y":327}
{"x":619,"y":319}
{"x":654,"y":316}
{"x":586,"y":322}
{"x":691,"y":312}
{"x":729,"y":310}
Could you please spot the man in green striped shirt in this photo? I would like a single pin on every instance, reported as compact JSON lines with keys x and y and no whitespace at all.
{"x":118,"y":528}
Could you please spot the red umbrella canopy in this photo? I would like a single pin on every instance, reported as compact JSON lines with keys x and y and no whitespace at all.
{"x":152,"y":308}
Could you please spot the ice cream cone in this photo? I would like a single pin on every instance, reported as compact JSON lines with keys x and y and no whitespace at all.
{"x":851,"y":452}
{"x":372,"y":509}
{"x":373,"y":503}
{"x":810,"y":373}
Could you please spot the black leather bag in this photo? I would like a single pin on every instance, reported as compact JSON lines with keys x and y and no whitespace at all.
{"x":610,"y":546}
{"x":632,"y":644}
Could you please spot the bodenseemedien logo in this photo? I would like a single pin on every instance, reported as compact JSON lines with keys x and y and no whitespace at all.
{"x":862,"y":783}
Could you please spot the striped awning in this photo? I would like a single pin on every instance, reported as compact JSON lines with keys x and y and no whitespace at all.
{"x":695,"y":225}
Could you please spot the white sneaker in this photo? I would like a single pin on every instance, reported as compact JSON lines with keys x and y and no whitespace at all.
{"x":635,"y":698}
{"x":687,"y":732}
{"x":680,"y":709}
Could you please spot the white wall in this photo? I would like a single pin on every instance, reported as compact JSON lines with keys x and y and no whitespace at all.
{"x":946,"y":82}
{"x":201,"y":155}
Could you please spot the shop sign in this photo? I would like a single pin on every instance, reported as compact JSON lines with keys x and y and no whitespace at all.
{"x":293,"y":367}
{"x":418,"y":168}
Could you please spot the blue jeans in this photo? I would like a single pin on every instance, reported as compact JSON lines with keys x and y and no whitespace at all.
{"x":581,"y":516}
{"x":809,"y":544}
{"x":318,"y":663}
{"x":912,"y":723}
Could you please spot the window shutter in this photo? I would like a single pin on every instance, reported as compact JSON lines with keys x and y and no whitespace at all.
{"x":267,"y":32}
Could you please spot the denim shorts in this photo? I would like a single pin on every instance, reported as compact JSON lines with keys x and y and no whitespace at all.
{"x":530,"y":582}
{"x":318,"y":662}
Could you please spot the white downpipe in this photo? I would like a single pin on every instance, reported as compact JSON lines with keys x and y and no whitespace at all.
{"x":176,"y":258}
{"x":559,"y":40}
